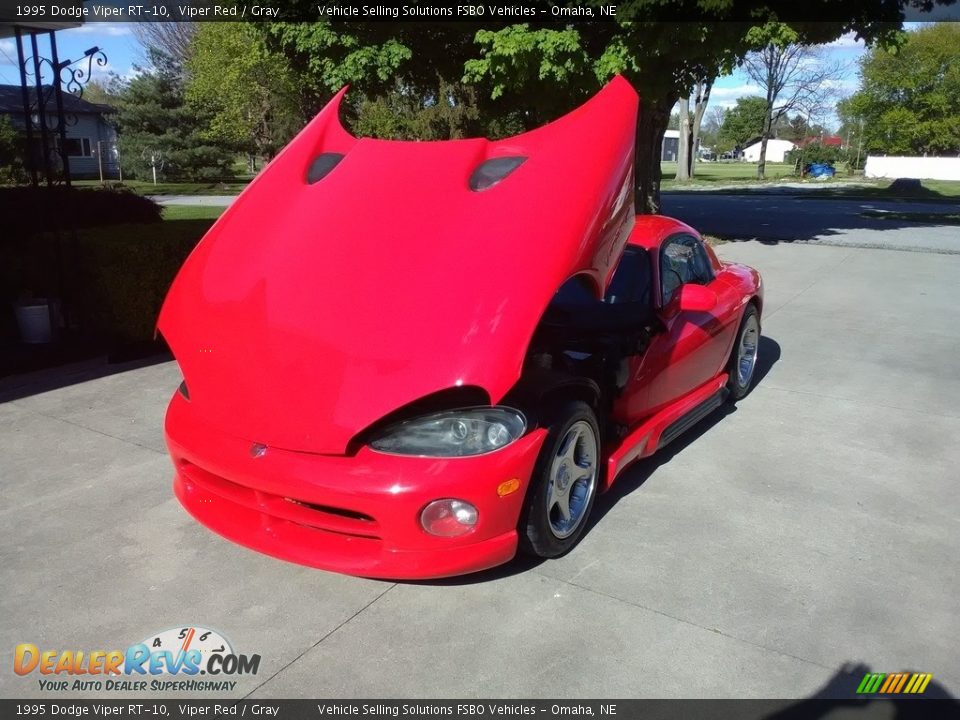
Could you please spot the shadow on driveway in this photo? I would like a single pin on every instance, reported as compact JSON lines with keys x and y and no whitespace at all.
{"x":632,"y":478}
{"x":15,"y":387}
{"x":840,"y":691}
{"x":784,"y":218}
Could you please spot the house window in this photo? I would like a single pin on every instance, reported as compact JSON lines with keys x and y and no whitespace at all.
{"x":78,"y":147}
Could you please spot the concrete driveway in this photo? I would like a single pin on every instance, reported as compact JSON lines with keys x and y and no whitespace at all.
{"x":779,"y":550}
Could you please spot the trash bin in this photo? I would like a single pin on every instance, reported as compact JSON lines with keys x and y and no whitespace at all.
{"x":33,"y":320}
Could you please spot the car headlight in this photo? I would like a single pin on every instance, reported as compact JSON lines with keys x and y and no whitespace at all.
{"x":453,"y":433}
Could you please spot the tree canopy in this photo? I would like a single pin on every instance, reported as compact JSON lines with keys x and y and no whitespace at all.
{"x":249,"y":92}
{"x":909,"y":99}
{"x":154,"y":120}
{"x":743,"y":122}
{"x":494,"y":78}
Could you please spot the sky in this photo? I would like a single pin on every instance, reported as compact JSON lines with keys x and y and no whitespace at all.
{"x":124,"y":53}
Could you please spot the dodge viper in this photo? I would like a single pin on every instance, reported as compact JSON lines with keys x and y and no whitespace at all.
{"x":413,"y":359}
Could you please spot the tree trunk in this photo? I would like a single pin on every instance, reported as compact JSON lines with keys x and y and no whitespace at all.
{"x":762,"y":163}
{"x":768,"y":120}
{"x":683,"y":144}
{"x":703,"y":97}
{"x":651,"y":124}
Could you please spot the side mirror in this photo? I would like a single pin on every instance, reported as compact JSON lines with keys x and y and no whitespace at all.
{"x":697,"y":298}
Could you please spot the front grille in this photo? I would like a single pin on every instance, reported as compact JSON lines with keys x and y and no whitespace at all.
{"x":344,"y":521}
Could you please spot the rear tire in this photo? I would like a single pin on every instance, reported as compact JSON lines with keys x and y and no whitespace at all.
{"x":564,"y":483}
{"x":743,"y":356}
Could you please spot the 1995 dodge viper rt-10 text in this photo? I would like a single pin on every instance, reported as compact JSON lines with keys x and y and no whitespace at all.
{"x":410,"y":359}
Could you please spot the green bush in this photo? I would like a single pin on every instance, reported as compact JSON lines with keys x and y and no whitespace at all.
{"x":813,"y":153}
{"x":114,"y":279}
{"x":853,"y":159}
{"x":28,"y":210}
{"x":12,"y":168}
{"x":126,"y":272}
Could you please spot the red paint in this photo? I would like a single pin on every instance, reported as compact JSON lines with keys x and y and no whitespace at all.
{"x":389,"y":279}
{"x":311,"y":311}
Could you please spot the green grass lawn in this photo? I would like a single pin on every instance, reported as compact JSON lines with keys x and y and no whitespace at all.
{"x":146,"y":188}
{"x":725,"y":172}
{"x":917,"y":217}
{"x":741,"y":173}
{"x":934,"y":191}
{"x":192,"y":212}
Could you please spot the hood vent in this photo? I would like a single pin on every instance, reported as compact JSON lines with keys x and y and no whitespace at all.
{"x":493,"y":171}
{"x":322,"y":165}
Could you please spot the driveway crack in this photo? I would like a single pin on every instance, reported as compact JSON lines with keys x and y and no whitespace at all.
{"x":328,"y":634}
{"x":90,"y":429}
{"x":716,"y":631}
{"x":818,"y":276}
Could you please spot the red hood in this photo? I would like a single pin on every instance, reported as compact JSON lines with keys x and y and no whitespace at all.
{"x":310,"y":311}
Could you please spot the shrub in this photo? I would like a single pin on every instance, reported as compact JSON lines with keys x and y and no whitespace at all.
{"x":12,"y":168}
{"x":28,"y":210}
{"x":114,"y":279}
{"x":125,"y":273}
{"x":813,"y":153}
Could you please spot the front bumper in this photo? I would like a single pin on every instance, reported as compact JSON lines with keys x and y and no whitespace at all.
{"x":351,"y":514}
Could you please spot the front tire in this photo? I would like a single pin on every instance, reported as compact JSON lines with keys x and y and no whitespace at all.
{"x":743,"y":356}
{"x":564,"y":483}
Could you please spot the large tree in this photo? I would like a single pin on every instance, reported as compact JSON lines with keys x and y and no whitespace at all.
{"x":249,"y":91}
{"x":531,"y":72}
{"x":793,"y":76}
{"x":173,"y":39}
{"x":377,"y":59}
{"x":909,"y":99}
{"x":743,"y":122}
{"x":659,"y":55}
{"x":692,"y":109}
{"x":156,"y":125}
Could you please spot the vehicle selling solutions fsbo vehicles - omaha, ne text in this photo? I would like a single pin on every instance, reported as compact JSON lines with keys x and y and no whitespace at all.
{"x":410,"y":359}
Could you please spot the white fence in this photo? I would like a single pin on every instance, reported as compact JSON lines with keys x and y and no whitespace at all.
{"x":922,"y":168}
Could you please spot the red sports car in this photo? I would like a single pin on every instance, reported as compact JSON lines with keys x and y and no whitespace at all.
{"x":410,"y":359}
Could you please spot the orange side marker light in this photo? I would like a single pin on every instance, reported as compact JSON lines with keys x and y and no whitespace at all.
{"x":507,"y":487}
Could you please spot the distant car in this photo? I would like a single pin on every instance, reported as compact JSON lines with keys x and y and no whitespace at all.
{"x":728,"y":155}
{"x":410,"y":359}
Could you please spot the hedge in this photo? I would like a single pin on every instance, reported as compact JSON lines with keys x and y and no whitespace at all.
{"x":28,"y":210}
{"x":116,"y":276}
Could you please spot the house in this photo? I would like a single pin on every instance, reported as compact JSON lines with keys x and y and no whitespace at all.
{"x":91,"y":140}
{"x":776,"y":150}
{"x":671,"y":146}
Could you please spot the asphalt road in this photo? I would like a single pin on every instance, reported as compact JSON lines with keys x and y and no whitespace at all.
{"x":780,"y":549}
{"x":791,"y":218}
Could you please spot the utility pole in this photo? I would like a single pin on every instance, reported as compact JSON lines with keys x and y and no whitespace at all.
{"x":860,"y":143}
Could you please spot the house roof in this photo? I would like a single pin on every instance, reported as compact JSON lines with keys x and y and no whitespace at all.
{"x":9,"y":29}
{"x":834,"y":140}
{"x":11,"y":102}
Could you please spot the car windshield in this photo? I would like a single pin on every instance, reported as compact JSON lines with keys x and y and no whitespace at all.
{"x":632,"y":279}
{"x":630,"y":284}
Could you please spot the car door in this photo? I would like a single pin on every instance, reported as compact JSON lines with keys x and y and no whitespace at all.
{"x":692,"y":346}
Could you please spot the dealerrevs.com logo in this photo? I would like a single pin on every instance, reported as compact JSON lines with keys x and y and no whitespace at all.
{"x":171,"y":660}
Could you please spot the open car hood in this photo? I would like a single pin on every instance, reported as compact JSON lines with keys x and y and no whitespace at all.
{"x":310,"y":310}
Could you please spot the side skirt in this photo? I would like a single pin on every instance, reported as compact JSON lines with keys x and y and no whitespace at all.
{"x":667,"y":425}
{"x":693,"y":417}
